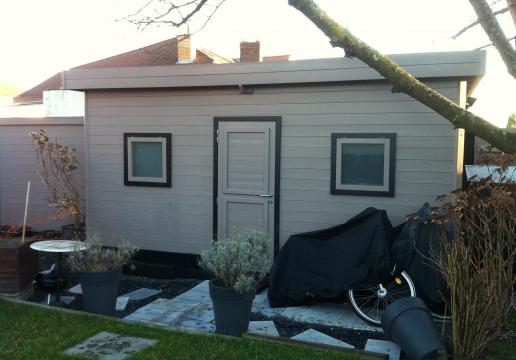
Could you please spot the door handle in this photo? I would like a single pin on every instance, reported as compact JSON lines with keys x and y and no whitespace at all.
{"x":265,"y":195}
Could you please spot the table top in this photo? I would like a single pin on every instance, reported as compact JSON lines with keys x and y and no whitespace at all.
{"x":58,"y":246}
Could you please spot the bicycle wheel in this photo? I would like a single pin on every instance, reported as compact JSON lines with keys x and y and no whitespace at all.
{"x":370,"y":301}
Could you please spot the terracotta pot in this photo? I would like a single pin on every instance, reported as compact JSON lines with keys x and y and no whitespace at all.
{"x":19,"y":265}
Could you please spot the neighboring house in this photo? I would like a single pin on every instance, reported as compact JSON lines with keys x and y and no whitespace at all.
{"x":172,"y":51}
{"x":179,"y":155}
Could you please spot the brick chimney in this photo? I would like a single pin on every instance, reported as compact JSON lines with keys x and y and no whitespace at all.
{"x":184,"y":54}
{"x":249,"y":51}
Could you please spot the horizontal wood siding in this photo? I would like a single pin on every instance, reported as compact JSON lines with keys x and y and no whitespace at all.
{"x":17,"y":166}
{"x":179,"y":219}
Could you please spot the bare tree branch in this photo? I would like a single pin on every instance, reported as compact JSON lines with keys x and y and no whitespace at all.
{"x":491,"y":44}
{"x":495,"y":33}
{"x":511,"y":4}
{"x":476,"y":22}
{"x":403,"y":81}
{"x":175,"y":13}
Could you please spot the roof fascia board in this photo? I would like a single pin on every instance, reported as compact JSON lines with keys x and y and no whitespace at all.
{"x":423,"y":65}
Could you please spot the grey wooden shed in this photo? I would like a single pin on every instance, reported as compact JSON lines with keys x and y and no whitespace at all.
{"x":178,"y":155}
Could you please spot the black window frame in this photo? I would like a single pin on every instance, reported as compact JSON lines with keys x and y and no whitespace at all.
{"x":392,"y":164}
{"x":168,"y":160}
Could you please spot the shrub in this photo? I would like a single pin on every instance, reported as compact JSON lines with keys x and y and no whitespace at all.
{"x":238,"y":262}
{"x":478,"y":262}
{"x":98,"y":258}
{"x":56,"y":165}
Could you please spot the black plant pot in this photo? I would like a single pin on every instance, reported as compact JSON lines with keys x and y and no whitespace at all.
{"x":72,"y":232}
{"x":100,"y":290}
{"x":232,"y":309}
{"x":408,"y":323}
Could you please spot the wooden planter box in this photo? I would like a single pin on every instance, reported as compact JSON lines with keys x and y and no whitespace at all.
{"x":18,"y":265}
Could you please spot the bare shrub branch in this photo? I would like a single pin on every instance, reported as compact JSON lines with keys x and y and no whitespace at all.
{"x":56,"y":166}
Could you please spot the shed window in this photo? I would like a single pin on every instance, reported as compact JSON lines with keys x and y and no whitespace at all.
{"x":363,"y":164}
{"x":147,"y":159}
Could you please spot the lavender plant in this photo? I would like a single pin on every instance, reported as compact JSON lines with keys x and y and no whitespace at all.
{"x":238,"y":262}
{"x":98,"y":258}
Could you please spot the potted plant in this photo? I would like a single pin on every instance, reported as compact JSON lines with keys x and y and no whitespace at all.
{"x":237,"y":263}
{"x":99,"y":269}
{"x":57,"y":167}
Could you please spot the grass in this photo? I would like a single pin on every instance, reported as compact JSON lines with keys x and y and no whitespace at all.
{"x":34,"y":332}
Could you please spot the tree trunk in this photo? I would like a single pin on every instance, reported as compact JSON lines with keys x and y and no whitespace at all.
{"x":488,"y":21}
{"x":403,"y":81}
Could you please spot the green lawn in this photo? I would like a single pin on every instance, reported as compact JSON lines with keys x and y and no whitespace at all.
{"x":32,"y":332}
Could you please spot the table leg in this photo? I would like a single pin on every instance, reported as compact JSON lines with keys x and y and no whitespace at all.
{"x":58,"y":271}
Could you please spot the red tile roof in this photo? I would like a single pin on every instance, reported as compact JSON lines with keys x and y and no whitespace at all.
{"x":162,"y":53}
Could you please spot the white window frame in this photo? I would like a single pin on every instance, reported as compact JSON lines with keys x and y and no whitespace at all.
{"x":163,"y":141}
{"x":387,"y":187}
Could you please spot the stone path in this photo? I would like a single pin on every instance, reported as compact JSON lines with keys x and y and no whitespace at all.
{"x":317,"y":337}
{"x":193,"y":311}
{"x":383,"y":347}
{"x":109,"y":346}
{"x":266,"y":328}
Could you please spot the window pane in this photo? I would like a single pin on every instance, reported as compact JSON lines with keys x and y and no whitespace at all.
{"x":147,"y":159}
{"x":362,"y":164}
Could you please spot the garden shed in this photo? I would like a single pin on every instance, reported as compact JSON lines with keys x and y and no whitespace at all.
{"x":179,"y":155}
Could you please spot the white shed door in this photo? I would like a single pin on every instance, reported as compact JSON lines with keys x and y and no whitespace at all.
{"x":246,"y":173}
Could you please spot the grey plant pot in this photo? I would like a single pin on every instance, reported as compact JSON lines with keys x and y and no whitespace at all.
{"x":232,"y":309}
{"x":100,"y":291}
{"x":408,"y":322}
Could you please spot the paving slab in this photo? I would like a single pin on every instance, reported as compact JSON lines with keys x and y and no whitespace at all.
{"x":317,"y":337}
{"x":121,"y":303}
{"x":109,"y":346}
{"x":67,"y":299}
{"x":263,"y":328}
{"x":141,"y":294}
{"x":329,"y":314}
{"x":261,"y":306}
{"x":176,"y":313}
{"x":77,"y":289}
{"x":384,"y":347}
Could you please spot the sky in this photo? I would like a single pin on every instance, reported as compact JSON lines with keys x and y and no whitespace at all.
{"x":39,"y":38}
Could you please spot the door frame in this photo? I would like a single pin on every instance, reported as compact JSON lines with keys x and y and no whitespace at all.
{"x":277,"y":167}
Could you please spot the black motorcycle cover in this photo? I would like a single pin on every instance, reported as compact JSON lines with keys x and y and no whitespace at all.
{"x":413,"y":251}
{"x":323,"y":264}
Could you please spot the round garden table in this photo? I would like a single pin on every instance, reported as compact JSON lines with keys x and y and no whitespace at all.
{"x":60,"y":247}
